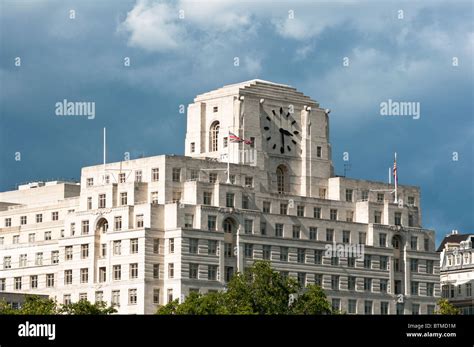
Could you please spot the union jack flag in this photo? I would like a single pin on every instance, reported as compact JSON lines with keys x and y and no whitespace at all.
{"x":235,"y":138}
{"x":395,"y":173}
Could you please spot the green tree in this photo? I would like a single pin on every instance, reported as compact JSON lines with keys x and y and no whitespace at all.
{"x":85,"y":307}
{"x":33,"y":305}
{"x":445,"y":307}
{"x":259,"y":290}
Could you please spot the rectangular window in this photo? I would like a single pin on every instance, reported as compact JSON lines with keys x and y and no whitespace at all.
{"x":89,"y":203}
{"x":414,"y":288}
{"x":212,"y":177}
{"x":318,"y":256}
{"x":211,"y":247}
{"x":398,"y":218}
{"x":414,"y":265}
{"x":139,"y":218}
{"x":349,"y":216}
{"x":7,"y":262}
{"x":266,"y":207}
{"x":430,"y":289}
{"x":352,"y":306}
{"x":16,"y":239}
{"x":55,"y":216}
{"x":156,"y":271}
{"x":118,"y":223}
{"x":334,"y":261}
{"x":156,"y":245}
{"x":278,"y":230}
{"x":54,"y":257}
{"x":349,"y":195}
{"x":296,"y":231}
{"x":117,"y":247}
{"x":317,"y":212}
{"x":17,"y":282}
{"x":429,"y":266}
{"x":8,"y":222}
{"x":228,"y":250}
{"x":263,"y":228}
{"x":207,"y":198}
{"x":188,"y":220}
{"x":351,"y":261}
{"x":245,"y":202}
{"x":411,"y":201}
{"x":133,"y":246}
{"x":68,"y":252}
{"x":383,"y":286}
{"x":170,"y":270}
{"x":267,"y":251}
{"x":89,"y":182}
{"x":229,"y":199}
{"x":377,"y":217}
{"x":212,"y":272}
{"x":318,"y":151}
{"x":226,"y":141}
{"x":123,"y":198}
{"x":414,"y":243}
{"x":329,"y":235}
{"x":382,"y":240}
{"x":248,"y":250}
{"x":155,"y":174}
{"x":383,"y":262}
{"x":133,"y":270}
{"x":333,"y":214}
{"x":301,"y":279}
{"x":368,"y":284}
{"x":301,"y":255}
{"x":117,"y":271}
{"x":154,"y":197}
{"x":362,"y":238}
{"x":132,"y":296}
{"x":318,"y":280}
{"x":211,"y":223}
{"x":426,"y":244}
{"x":47,"y":235}
{"x":283,"y":208}
{"x":171,"y":245}
{"x":170,"y":295}
{"x":313,"y":232}
{"x":193,"y":271}
{"x":351,"y":283}
{"x":39,"y":218}
{"x":49,"y":280}
{"x":384,"y":307}
{"x":176,"y":174}
{"x":23,"y":260}
{"x":84,"y":251}
{"x":193,"y":246}
{"x":410,"y":220}
{"x":138,"y":176}
{"x":367,"y":307}
{"x":283,"y":253}
{"x":300,"y":211}
{"x":380,"y":197}
{"x":85,"y":227}
{"x":33,"y":282}
{"x":102,"y":274}
{"x":248,"y":226}
{"x":101,"y":200}
{"x":367,"y":261}
{"x":31,"y":238}
{"x":249,"y":181}
{"x":84,"y":275}
{"x":116,"y":298}
{"x":346,"y":236}
{"x":365,"y":195}
{"x":334,"y":282}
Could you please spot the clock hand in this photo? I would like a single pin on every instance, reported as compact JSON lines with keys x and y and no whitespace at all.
{"x":285,"y":132}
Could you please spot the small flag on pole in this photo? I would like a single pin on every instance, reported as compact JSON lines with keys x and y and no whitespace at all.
{"x":234,"y":138}
{"x":395,"y":173}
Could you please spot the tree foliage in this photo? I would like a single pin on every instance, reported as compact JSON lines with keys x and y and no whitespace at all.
{"x":35,"y":305}
{"x":259,"y":290}
{"x":445,"y":307}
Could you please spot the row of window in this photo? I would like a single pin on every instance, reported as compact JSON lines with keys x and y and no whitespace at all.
{"x":364,"y":196}
{"x":115,"y":297}
{"x":38,"y":218}
{"x":369,"y":307}
{"x":122,"y":177}
{"x":452,"y":291}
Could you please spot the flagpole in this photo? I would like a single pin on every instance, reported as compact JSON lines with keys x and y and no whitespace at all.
{"x":389,"y":175}
{"x":396,"y":179}
{"x":228,"y":159}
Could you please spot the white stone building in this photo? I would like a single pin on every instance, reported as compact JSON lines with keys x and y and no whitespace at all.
{"x":457,"y":270}
{"x":141,"y":232}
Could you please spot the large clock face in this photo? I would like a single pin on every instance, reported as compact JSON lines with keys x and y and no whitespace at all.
{"x":279,"y":131}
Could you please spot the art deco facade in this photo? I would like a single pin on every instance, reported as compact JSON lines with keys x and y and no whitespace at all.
{"x":141,"y":232}
{"x":457,"y":270}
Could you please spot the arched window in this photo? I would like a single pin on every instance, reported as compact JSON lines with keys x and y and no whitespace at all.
{"x":282,"y":179}
{"x":396,"y":242}
{"x":102,"y":225}
{"x":214,"y":137}
{"x":228,"y":225}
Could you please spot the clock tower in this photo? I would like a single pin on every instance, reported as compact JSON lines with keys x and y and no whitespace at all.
{"x":288,"y":131}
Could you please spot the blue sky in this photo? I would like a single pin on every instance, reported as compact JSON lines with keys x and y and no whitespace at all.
{"x":173,"y":59}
